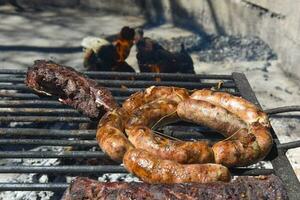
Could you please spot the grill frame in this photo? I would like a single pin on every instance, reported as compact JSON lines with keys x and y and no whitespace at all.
{"x":16,"y":103}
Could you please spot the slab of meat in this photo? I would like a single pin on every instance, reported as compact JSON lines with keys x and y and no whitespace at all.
{"x":71,"y":87}
{"x":262,"y":187}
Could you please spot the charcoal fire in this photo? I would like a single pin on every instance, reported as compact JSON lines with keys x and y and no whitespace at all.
{"x":102,"y":55}
{"x":152,"y":57}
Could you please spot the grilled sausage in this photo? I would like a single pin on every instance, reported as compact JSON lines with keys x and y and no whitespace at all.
{"x":249,"y":147}
{"x":110,"y":134}
{"x":207,"y":114}
{"x":141,"y":136}
{"x":248,"y":141}
{"x":237,"y":105}
{"x":153,"y":93}
{"x":151,"y":169}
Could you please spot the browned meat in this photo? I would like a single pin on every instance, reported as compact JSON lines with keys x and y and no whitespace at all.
{"x":153,"y":93}
{"x":262,"y":187}
{"x":245,"y":126}
{"x":151,"y":169}
{"x":110,"y":134}
{"x":247,"y":111}
{"x":141,"y":136}
{"x":70,"y":87}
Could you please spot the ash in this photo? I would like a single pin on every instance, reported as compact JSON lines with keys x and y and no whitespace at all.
{"x":216,"y":48}
{"x":235,"y":48}
{"x":28,"y":178}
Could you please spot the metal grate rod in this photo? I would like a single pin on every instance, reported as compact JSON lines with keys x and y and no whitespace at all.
{"x":33,"y":186}
{"x":47,"y":142}
{"x":51,"y":154}
{"x":136,"y":75}
{"x":47,"y":132}
{"x":39,"y":119}
{"x":87,"y":169}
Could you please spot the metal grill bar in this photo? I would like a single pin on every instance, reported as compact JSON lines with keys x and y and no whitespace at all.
{"x":33,"y":186}
{"x":39,"y":111}
{"x":47,"y":132}
{"x":94,"y":74}
{"x":39,"y":119}
{"x":42,"y":154}
{"x":34,"y":97}
{"x":87,"y":169}
{"x":46,"y":142}
{"x":140,"y":84}
{"x":13,"y":132}
{"x":27,"y":103}
{"x":124,"y":91}
{"x":67,"y":169}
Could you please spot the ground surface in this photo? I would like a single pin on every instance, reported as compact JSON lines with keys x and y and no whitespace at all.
{"x":67,"y":28}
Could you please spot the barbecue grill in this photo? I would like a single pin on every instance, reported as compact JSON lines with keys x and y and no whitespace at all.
{"x":19,"y":104}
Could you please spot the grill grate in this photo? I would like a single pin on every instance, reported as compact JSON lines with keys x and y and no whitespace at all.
{"x":19,"y":104}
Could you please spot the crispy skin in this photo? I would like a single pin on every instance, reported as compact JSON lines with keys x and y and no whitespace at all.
{"x":110,"y":134}
{"x":153,"y":93}
{"x":249,"y":141}
{"x":70,"y":87}
{"x":141,"y":136}
{"x":151,"y":169}
{"x":237,"y":105}
{"x":261,"y":187}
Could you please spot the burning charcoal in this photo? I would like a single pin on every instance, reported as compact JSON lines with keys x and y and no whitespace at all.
{"x":102,"y":55}
{"x":152,"y":57}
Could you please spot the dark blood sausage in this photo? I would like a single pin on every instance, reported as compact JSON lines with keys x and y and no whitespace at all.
{"x":141,"y":136}
{"x":249,"y":139}
{"x":154,"y":93}
{"x":151,"y":169}
{"x":71,"y":87}
{"x":110,"y":134}
{"x":260,"y":187}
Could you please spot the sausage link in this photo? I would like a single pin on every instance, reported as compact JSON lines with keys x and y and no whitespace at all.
{"x":237,"y":105}
{"x":161,"y":111}
{"x":237,"y":152}
{"x":141,"y":136}
{"x":247,"y":143}
{"x":207,"y":114}
{"x":110,"y":134}
{"x":153,"y":93}
{"x":151,"y":169}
